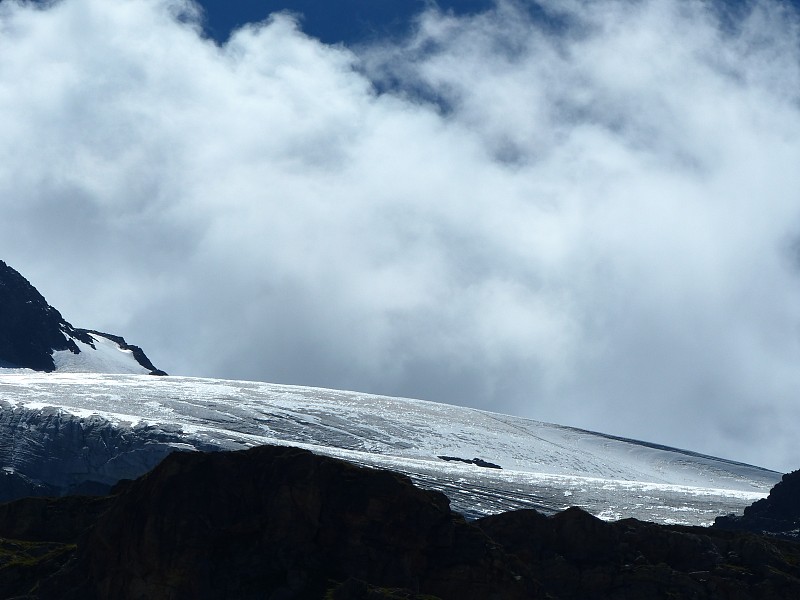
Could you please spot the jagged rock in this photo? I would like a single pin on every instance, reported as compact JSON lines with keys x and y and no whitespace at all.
{"x":778,"y":514}
{"x":31,"y":330}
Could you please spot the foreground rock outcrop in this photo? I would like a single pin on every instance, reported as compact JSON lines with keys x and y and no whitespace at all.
{"x":574,"y":555}
{"x":283,"y":523}
{"x":271,"y":522}
{"x":777,"y":515}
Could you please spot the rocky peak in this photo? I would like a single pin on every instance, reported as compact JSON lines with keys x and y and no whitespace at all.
{"x":31,"y":330}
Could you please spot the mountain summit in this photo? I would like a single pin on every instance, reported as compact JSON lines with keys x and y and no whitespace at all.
{"x":34,"y":335}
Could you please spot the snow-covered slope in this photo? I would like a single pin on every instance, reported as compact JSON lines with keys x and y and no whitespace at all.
{"x":99,"y":353}
{"x":61,"y":432}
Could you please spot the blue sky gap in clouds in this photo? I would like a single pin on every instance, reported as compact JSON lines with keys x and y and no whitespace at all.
{"x":357,"y":21}
{"x":346,"y":21}
{"x":592,"y":224}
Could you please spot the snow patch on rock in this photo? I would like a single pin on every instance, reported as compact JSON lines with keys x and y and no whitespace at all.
{"x":103,"y":356}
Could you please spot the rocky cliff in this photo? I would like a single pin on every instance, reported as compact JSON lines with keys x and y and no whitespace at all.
{"x":32,"y":331}
{"x":777,"y":515}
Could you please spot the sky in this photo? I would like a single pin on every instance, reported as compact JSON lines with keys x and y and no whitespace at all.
{"x":585,"y":213}
{"x":342,"y":21}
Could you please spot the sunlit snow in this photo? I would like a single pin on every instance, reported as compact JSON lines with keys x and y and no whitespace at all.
{"x":106,"y":357}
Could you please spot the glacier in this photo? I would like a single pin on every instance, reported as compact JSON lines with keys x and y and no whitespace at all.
{"x":68,"y":432}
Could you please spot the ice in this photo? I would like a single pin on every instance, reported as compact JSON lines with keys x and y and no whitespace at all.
{"x":545,"y":466}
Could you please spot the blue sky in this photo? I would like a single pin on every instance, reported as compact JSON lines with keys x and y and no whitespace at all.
{"x":594,"y":224}
{"x":347,"y":21}
{"x":356,"y":21}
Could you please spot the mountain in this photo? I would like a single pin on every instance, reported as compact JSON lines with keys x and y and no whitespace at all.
{"x":34,"y":335}
{"x":69,"y":432}
{"x":284,"y":523}
{"x":123,"y":485}
{"x":80,"y":412}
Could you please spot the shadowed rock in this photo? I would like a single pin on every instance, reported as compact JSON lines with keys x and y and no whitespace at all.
{"x":30,"y":329}
{"x":281,"y":523}
{"x":777,"y":515}
{"x":574,"y":555}
{"x":276,"y":522}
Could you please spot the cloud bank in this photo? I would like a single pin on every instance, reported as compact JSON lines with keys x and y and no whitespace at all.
{"x":590,"y":218}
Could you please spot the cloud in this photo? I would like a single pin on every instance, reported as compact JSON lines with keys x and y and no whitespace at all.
{"x":587,"y":218}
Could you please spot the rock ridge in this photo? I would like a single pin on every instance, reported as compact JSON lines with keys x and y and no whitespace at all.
{"x":31,"y":330}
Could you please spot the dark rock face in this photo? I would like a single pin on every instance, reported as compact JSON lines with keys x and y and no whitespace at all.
{"x":282,"y":523}
{"x":574,"y":555}
{"x":59,"y":520}
{"x":277,"y":522}
{"x":777,"y":515}
{"x":31,"y":330}
{"x":23,"y":564}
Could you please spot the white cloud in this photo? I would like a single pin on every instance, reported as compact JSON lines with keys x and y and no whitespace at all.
{"x":588,"y":223}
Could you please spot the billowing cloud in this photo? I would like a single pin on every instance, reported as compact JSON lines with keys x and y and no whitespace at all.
{"x":589,"y":216}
